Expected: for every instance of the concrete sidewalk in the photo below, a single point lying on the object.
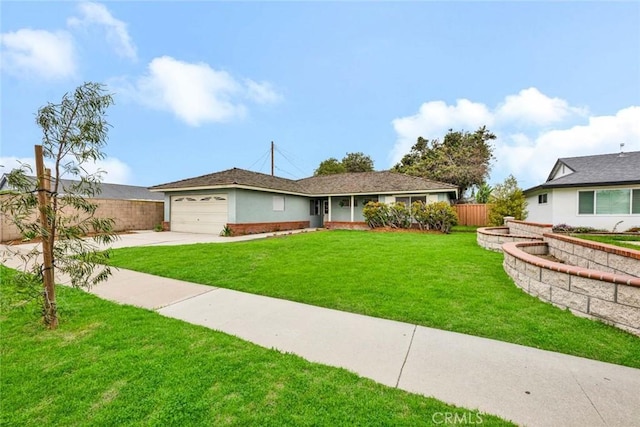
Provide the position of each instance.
(528, 386)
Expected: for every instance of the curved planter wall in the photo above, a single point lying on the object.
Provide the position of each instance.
(493, 238)
(611, 296)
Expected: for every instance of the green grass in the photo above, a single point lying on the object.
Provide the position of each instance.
(111, 365)
(443, 281)
(617, 240)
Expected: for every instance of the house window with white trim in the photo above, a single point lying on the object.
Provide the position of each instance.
(542, 199)
(623, 201)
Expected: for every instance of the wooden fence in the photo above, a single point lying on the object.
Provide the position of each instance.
(472, 214)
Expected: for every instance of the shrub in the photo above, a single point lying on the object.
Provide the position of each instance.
(434, 216)
(507, 199)
(399, 215)
(566, 228)
(376, 214)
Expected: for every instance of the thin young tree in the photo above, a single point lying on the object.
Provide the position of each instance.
(55, 207)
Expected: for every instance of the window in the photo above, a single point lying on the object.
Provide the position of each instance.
(542, 198)
(278, 203)
(344, 203)
(609, 202)
(408, 201)
(314, 207)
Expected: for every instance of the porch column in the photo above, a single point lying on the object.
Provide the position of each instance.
(329, 208)
(351, 204)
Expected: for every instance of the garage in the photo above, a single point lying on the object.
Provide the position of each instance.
(204, 213)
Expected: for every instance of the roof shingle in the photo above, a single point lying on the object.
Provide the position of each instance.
(603, 169)
(344, 183)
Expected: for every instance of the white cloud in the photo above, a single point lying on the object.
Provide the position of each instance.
(116, 30)
(531, 107)
(195, 92)
(533, 131)
(262, 93)
(434, 119)
(39, 53)
(116, 171)
(532, 162)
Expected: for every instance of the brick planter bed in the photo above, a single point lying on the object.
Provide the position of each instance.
(610, 296)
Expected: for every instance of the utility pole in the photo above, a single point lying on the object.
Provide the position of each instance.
(272, 164)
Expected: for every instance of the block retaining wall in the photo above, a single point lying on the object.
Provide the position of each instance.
(594, 255)
(266, 227)
(613, 298)
(493, 238)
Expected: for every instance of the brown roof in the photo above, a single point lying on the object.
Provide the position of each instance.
(343, 183)
(370, 182)
(234, 177)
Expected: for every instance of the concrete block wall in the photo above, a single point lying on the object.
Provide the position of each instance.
(493, 238)
(532, 229)
(594, 255)
(613, 298)
(128, 215)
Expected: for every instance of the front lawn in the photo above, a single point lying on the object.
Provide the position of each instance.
(443, 281)
(112, 365)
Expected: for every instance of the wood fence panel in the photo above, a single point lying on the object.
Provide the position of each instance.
(473, 214)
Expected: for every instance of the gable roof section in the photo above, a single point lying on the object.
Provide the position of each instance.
(108, 191)
(337, 184)
(233, 178)
(603, 169)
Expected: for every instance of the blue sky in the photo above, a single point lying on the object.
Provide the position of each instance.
(206, 86)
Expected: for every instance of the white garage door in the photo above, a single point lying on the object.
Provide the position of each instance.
(205, 213)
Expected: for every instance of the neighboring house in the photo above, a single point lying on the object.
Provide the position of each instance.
(601, 191)
(132, 207)
(251, 202)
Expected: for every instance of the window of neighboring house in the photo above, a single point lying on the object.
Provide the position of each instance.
(278, 203)
(609, 202)
(542, 198)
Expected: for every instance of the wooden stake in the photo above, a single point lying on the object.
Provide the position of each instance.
(44, 187)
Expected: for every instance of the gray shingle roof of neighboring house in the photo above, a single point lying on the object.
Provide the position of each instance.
(597, 170)
(345, 183)
(108, 191)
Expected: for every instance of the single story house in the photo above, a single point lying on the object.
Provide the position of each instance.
(252, 202)
(601, 191)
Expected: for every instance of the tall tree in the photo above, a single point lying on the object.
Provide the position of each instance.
(329, 167)
(74, 134)
(351, 162)
(461, 158)
(357, 162)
